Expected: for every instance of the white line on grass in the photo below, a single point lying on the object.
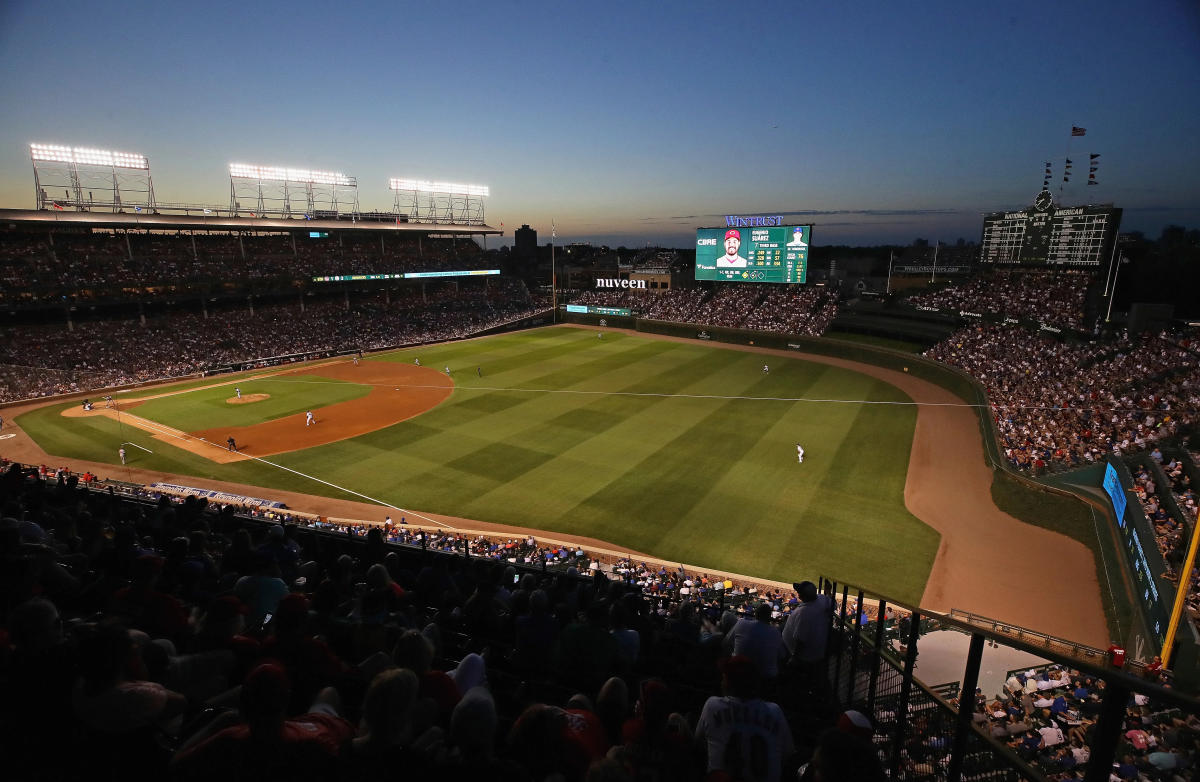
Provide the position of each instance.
(182, 436)
(135, 445)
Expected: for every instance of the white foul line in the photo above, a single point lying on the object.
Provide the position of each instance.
(406, 511)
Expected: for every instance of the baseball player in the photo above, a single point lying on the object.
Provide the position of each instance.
(479, 371)
(231, 443)
(308, 418)
(1, 422)
(800, 453)
(121, 453)
(766, 368)
(447, 371)
(417, 361)
(237, 390)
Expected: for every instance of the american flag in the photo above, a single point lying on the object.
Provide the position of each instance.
(1078, 131)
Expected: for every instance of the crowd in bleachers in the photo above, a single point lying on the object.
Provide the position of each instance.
(786, 310)
(794, 311)
(1169, 505)
(35, 268)
(1047, 715)
(1053, 297)
(174, 639)
(1059, 404)
(45, 360)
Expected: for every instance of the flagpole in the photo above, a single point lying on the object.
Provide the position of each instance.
(553, 276)
(891, 255)
(933, 271)
(1066, 162)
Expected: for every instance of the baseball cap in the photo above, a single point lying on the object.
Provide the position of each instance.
(733, 232)
(855, 723)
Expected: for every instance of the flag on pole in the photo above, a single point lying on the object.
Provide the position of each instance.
(1094, 155)
(137, 209)
(57, 205)
(207, 211)
(1078, 131)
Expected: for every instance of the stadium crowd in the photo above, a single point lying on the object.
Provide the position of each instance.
(1053, 297)
(37, 268)
(45, 360)
(174, 639)
(1047, 714)
(1059, 405)
(785, 310)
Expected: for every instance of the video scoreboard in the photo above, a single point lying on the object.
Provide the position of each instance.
(756, 253)
(1045, 233)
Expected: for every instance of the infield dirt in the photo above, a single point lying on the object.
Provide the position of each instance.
(399, 392)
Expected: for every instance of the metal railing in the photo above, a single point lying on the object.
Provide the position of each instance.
(923, 735)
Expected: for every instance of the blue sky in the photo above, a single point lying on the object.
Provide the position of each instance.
(628, 123)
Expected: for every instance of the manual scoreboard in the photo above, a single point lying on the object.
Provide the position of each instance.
(1051, 235)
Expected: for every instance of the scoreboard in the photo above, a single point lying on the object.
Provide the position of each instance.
(1048, 234)
(776, 253)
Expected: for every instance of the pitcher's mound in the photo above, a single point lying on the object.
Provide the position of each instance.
(246, 399)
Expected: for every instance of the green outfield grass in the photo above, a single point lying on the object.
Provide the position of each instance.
(207, 408)
(683, 451)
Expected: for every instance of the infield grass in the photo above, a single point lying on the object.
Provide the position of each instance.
(683, 451)
(211, 408)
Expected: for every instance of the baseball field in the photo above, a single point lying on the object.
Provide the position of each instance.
(685, 451)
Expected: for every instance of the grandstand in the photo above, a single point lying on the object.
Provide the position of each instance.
(96, 300)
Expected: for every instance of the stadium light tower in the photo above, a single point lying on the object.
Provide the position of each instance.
(325, 194)
(422, 201)
(121, 178)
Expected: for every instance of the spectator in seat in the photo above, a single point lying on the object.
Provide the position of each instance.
(261, 742)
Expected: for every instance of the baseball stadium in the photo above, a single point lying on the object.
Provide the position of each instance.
(287, 430)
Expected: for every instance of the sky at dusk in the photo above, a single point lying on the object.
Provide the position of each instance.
(631, 123)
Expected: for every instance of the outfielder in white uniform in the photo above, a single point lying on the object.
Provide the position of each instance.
(308, 418)
(800, 453)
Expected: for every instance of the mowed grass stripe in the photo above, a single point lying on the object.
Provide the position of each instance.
(860, 525)
(522, 430)
(764, 494)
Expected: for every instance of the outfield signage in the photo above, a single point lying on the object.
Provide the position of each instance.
(746, 221)
(591, 309)
(468, 273)
(610, 283)
(930, 269)
(405, 276)
(1132, 526)
(1112, 485)
(218, 496)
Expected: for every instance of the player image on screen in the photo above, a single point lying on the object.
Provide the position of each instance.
(767, 253)
(731, 259)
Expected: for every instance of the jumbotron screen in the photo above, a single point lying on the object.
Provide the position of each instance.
(753, 254)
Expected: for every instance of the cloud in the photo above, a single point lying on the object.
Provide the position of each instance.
(825, 213)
